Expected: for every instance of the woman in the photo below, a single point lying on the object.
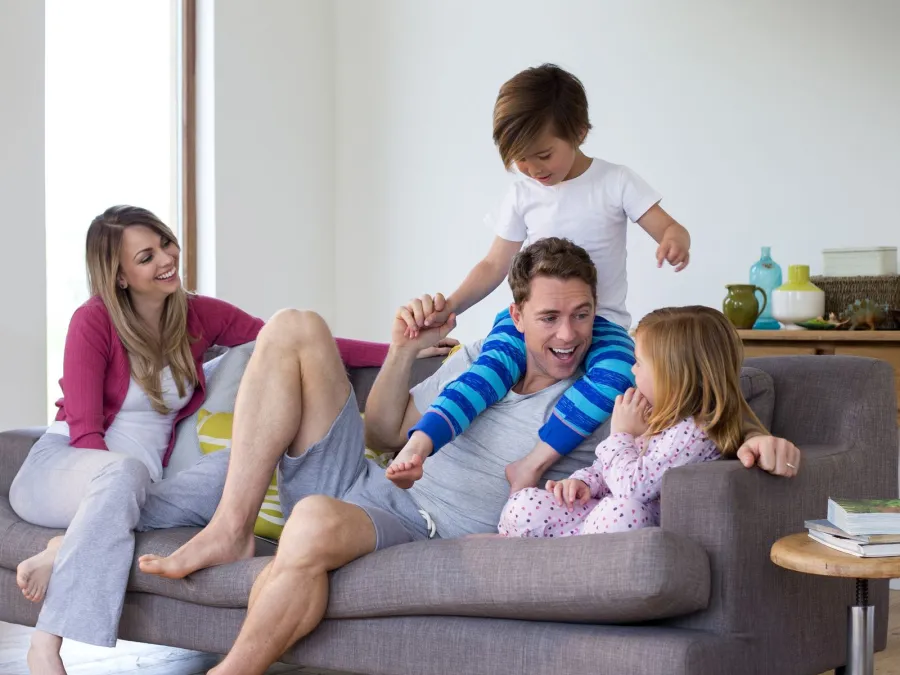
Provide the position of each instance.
(132, 370)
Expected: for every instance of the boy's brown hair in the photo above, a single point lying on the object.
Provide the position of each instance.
(530, 101)
(550, 257)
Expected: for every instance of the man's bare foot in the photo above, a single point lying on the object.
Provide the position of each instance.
(33, 575)
(404, 471)
(214, 545)
(43, 654)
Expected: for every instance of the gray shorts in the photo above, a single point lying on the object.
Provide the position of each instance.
(336, 467)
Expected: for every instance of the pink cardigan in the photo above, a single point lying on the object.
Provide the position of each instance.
(96, 370)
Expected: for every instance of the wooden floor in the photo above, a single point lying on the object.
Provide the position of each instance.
(128, 658)
(132, 658)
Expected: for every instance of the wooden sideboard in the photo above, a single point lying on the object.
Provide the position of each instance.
(884, 345)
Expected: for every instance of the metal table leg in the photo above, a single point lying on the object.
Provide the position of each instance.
(861, 633)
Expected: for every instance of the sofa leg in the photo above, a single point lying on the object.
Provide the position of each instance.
(840, 671)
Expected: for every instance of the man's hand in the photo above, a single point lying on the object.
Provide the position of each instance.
(630, 413)
(674, 249)
(569, 492)
(427, 311)
(406, 332)
(778, 456)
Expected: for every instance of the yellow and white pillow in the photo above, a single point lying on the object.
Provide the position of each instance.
(214, 432)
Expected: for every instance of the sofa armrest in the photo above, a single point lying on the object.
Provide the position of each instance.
(736, 514)
(14, 447)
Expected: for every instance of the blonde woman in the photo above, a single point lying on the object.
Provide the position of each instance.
(687, 408)
(132, 370)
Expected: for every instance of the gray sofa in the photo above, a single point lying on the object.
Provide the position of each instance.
(697, 595)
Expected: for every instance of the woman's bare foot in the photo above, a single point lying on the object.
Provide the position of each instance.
(216, 544)
(404, 471)
(33, 575)
(43, 655)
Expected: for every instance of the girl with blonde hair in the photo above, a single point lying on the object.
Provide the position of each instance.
(687, 407)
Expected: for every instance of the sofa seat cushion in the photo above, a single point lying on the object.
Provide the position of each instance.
(603, 578)
(20, 540)
(606, 578)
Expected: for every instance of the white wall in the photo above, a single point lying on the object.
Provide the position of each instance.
(764, 123)
(267, 187)
(23, 323)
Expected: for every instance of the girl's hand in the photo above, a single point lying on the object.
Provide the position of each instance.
(568, 492)
(630, 414)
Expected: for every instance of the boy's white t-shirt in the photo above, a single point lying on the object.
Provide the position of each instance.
(593, 211)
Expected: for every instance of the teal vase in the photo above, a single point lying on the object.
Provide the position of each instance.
(766, 273)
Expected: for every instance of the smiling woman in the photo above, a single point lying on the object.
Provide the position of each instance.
(117, 131)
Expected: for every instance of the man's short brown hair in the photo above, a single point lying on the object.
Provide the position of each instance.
(530, 101)
(550, 257)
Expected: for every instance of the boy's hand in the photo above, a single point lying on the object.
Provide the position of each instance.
(569, 492)
(427, 312)
(630, 414)
(674, 249)
(674, 240)
(406, 334)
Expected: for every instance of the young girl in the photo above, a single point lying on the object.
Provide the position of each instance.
(687, 408)
(132, 370)
(540, 122)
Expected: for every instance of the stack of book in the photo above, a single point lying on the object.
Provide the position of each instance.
(868, 528)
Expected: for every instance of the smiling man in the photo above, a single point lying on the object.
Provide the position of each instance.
(298, 413)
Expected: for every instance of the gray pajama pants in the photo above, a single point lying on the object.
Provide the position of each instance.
(101, 498)
(98, 498)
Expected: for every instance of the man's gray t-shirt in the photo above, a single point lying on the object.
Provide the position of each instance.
(464, 486)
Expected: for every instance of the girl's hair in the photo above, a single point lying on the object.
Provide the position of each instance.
(696, 356)
(147, 353)
(531, 100)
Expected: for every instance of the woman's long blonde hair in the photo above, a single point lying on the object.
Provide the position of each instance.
(696, 356)
(147, 353)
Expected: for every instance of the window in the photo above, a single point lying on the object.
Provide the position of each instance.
(119, 88)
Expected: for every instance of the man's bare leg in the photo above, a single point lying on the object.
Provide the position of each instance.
(293, 389)
(321, 535)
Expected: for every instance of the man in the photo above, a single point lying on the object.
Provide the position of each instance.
(295, 395)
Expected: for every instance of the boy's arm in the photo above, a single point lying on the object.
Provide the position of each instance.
(480, 282)
(673, 239)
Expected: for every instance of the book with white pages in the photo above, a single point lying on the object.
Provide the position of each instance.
(855, 548)
(823, 525)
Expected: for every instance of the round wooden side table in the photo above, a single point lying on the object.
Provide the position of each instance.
(801, 553)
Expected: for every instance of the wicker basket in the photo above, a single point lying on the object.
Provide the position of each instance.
(843, 291)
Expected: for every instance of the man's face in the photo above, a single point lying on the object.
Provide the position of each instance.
(557, 320)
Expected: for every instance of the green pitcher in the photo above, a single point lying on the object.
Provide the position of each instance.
(741, 306)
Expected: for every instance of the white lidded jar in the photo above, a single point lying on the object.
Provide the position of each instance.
(798, 300)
